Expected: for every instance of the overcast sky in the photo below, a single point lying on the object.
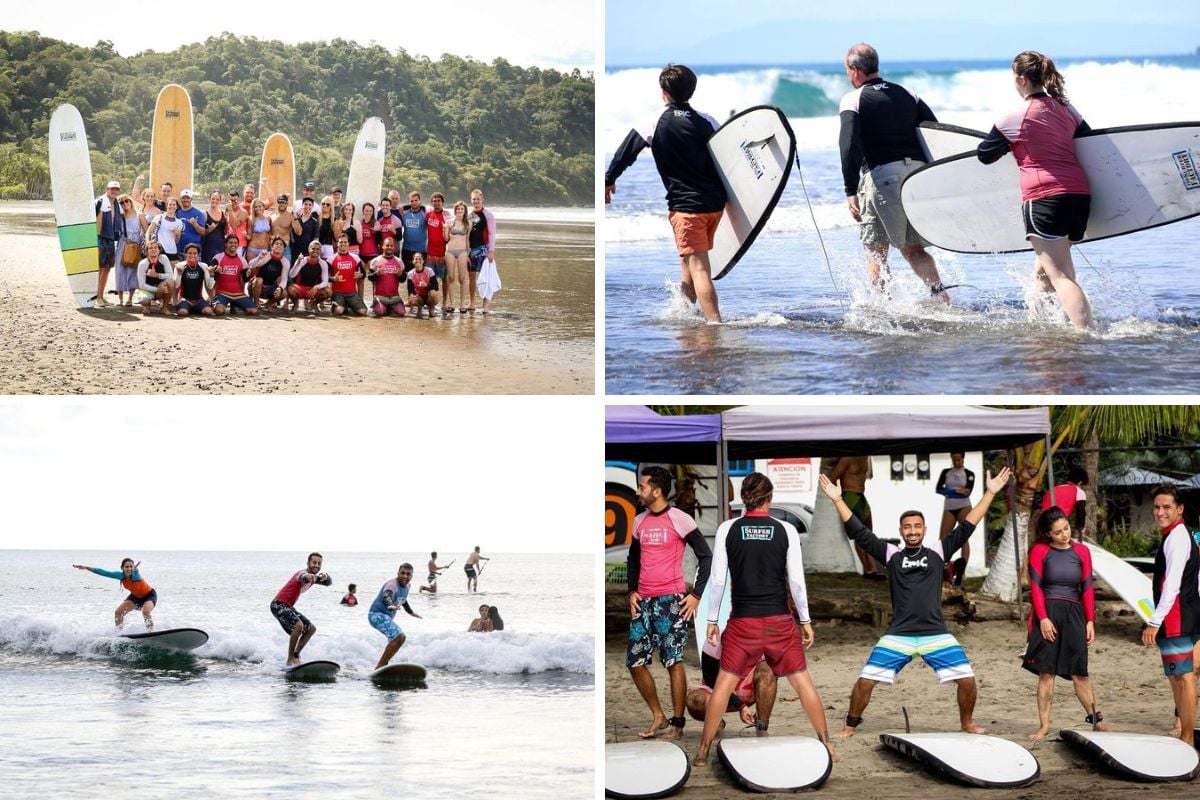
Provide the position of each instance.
(301, 473)
(541, 33)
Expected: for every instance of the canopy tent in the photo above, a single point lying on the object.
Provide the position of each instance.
(1133, 476)
(763, 431)
(637, 434)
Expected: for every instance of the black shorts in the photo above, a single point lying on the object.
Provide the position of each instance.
(469, 569)
(138, 602)
(1063, 216)
(288, 617)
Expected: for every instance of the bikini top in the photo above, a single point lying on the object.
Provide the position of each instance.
(262, 225)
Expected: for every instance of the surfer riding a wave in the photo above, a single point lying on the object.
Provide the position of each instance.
(141, 595)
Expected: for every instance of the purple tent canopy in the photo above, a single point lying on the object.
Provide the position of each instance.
(637, 434)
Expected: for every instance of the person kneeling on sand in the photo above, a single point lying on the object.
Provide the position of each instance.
(386, 273)
(230, 272)
(918, 628)
(194, 282)
(422, 287)
(154, 279)
(309, 280)
(755, 689)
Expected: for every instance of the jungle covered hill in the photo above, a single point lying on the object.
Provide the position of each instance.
(523, 135)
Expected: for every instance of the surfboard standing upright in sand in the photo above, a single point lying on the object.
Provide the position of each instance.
(74, 201)
(365, 184)
(278, 172)
(172, 146)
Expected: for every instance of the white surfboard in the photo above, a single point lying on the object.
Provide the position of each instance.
(399, 674)
(644, 769)
(172, 639)
(702, 615)
(313, 671)
(754, 151)
(1133, 585)
(1139, 756)
(776, 763)
(974, 759)
(365, 184)
(940, 140)
(1140, 177)
(74, 201)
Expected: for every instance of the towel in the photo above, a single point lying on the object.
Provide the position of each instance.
(488, 282)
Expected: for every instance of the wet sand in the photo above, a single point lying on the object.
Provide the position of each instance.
(1131, 691)
(50, 347)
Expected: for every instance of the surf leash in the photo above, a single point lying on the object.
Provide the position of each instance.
(837, 289)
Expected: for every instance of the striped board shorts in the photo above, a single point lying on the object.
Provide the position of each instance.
(941, 651)
(1176, 652)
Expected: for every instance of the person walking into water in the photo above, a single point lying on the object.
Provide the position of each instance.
(472, 571)
(141, 595)
(297, 626)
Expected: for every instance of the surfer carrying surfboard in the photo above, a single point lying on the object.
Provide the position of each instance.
(879, 133)
(297, 626)
(915, 580)
(1055, 198)
(141, 595)
(696, 197)
(760, 558)
(1175, 623)
(393, 595)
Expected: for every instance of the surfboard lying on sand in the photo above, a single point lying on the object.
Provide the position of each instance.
(644, 769)
(753, 150)
(313, 671)
(1138, 756)
(399, 674)
(74, 201)
(172, 639)
(1126, 580)
(172, 142)
(777, 763)
(277, 174)
(1140, 177)
(973, 759)
(365, 183)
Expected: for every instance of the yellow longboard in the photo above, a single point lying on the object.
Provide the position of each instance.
(172, 146)
(278, 173)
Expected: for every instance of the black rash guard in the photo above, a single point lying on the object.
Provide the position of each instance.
(191, 283)
(760, 555)
(914, 576)
(679, 141)
(879, 121)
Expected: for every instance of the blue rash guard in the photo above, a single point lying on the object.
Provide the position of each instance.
(416, 235)
(116, 574)
(390, 594)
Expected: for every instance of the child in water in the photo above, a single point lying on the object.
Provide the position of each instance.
(349, 599)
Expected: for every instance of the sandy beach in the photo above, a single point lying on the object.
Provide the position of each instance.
(1130, 688)
(524, 347)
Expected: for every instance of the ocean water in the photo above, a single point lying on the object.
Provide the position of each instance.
(800, 315)
(503, 714)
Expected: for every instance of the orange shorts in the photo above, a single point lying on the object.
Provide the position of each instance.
(694, 232)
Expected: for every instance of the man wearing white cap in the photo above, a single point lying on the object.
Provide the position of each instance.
(193, 219)
(108, 230)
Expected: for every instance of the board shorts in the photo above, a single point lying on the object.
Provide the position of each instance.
(108, 252)
(438, 265)
(476, 257)
(469, 569)
(269, 292)
(288, 617)
(143, 296)
(694, 233)
(349, 300)
(858, 505)
(941, 651)
(389, 305)
(432, 578)
(138, 602)
(244, 303)
(384, 624)
(1067, 655)
(1176, 652)
(1062, 216)
(748, 640)
(192, 306)
(883, 219)
(658, 625)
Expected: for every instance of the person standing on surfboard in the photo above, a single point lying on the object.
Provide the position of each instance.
(659, 604)
(297, 626)
(696, 197)
(141, 595)
(470, 568)
(393, 595)
(915, 580)
(760, 558)
(1175, 623)
(1055, 198)
(434, 572)
(879, 148)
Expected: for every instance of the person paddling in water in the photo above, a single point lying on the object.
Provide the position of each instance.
(141, 596)
(434, 571)
(297, 626)
(472, 571)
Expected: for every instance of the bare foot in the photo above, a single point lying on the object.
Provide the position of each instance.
(845, 733)
(656, 725)
(1039, 734)
(720, 729)
(675, 733)
(971, 727)
(1102, 726)
(701, 759)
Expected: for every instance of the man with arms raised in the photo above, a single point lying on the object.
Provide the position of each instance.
(297, 626)
(392, 596)
(879, 121)
(658, 601)
(695, 195)
(760, 557)
(915, 580)
(1175, 623)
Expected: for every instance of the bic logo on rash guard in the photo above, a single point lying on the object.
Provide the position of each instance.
(753, 533)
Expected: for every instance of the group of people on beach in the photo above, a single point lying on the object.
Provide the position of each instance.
(262, 253)
(758, 559)
(879, 148)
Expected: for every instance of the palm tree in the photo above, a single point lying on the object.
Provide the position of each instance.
(1088, 426)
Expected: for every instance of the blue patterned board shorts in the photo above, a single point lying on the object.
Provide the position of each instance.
(384, 624)
(658, 625)
(476, 257)
(940, 651)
